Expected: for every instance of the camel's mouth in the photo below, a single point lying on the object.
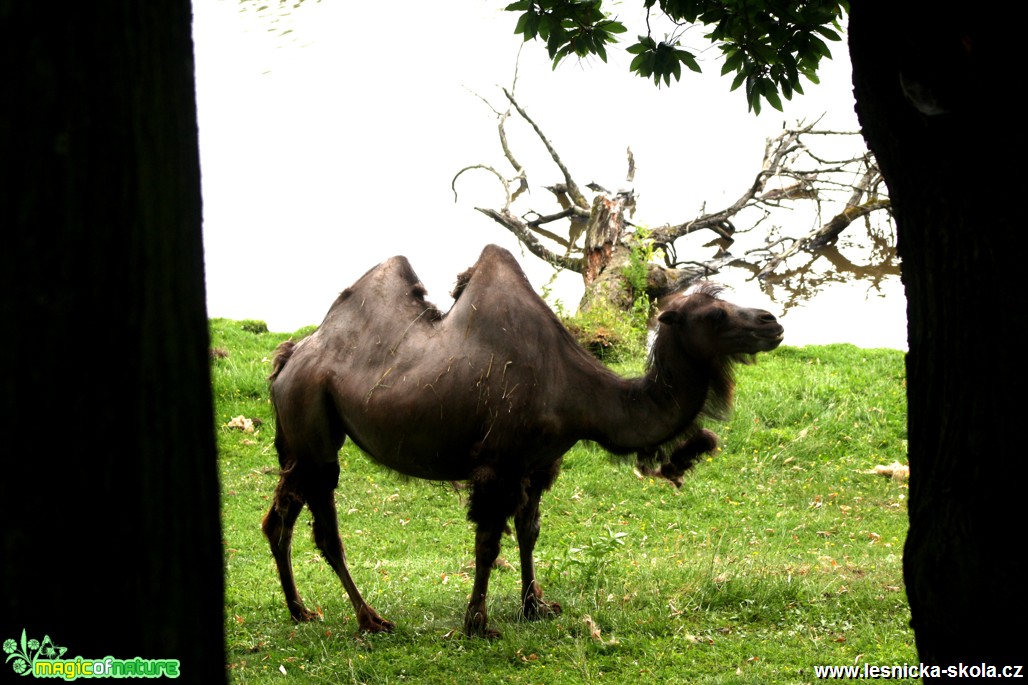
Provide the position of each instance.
(770, 339)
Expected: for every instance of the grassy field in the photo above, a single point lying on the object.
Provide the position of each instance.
(780, 553)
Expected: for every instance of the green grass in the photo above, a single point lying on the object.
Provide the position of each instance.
(779, 553)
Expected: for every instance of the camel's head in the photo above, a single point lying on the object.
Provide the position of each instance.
(708, 327)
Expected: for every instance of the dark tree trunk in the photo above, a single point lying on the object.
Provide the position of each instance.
(111, 539)
(937, 98)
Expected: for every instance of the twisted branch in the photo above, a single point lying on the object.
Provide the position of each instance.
(518, 227)
(572, 187)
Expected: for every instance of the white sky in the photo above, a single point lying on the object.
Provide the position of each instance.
(331, 148)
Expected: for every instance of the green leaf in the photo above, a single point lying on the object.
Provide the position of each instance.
(765, 85)
(519, 6)
(827, 32)
(739, 78)
(542, 26)
(525, 25)
(733, 61)
(555, 43)
(772, 97)
(645, 43)
(820, 46)
(686, 58)
(811, 76)
(786, 90)
(643, 64)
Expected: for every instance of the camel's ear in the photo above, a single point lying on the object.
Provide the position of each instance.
(669, 317)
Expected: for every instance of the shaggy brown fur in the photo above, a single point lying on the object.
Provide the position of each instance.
(494, 393)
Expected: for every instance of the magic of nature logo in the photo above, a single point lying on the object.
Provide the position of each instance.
(45, 659)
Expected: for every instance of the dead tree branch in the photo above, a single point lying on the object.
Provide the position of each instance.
(777, 153)
(592, 246)
(504, 182)
(572, 187)
(863, 201)
(520, 229)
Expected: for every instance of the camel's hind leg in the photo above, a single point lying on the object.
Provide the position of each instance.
(278, 529)
(526, 524)
(494, 498)
(487, 548)
(321, 501)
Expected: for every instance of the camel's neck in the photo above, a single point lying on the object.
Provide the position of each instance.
(639, 414)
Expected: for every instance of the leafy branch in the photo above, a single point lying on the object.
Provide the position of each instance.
(568, 27)
(768, 44)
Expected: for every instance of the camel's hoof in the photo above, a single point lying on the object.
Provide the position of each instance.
(379, 626)
(370, 622)
(304, 615)
(476, 625)
(539, 609)
(482, 631)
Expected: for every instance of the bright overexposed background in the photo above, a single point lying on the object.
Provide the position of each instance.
(330, 133)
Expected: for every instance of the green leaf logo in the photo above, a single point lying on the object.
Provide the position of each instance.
(23, 655)
(22, 658)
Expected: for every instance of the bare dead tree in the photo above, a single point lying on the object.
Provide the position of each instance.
(593, 236)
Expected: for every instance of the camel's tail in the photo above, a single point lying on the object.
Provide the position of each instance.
(282, 354)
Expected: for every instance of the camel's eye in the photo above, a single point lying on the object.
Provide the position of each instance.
(716, 315)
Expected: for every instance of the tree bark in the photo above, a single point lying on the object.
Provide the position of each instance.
(111, 542)
(936, 99)
(603, 232)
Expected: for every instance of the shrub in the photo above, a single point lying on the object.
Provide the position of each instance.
(253, 326)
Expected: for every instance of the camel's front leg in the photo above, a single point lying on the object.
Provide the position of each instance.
(684, 457)
(326, 536)
(526, 523)
(487, 548)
